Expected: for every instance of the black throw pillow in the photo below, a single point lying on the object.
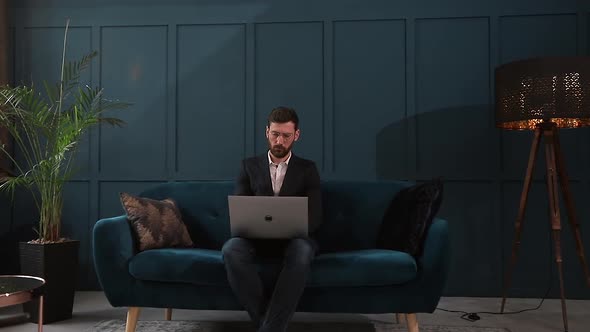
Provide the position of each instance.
(409, 216)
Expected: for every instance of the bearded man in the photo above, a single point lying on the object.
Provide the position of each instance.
(278, 172)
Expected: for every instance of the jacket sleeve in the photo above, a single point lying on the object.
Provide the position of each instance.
(243, 187)
(314, 194)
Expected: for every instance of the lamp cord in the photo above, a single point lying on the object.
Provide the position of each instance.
(474, 316)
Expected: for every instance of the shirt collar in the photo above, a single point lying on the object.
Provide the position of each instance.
(286, 160)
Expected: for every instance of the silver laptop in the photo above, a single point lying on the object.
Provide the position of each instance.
(268, 217)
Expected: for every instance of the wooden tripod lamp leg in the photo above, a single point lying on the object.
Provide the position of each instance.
(569, 203)
(554, 214)
(521, 211)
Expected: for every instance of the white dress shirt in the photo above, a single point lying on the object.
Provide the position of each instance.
(277, 173)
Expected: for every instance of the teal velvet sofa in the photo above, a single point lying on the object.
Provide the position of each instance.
(349, 275)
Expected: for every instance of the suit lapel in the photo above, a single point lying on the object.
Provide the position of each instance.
(290, 180)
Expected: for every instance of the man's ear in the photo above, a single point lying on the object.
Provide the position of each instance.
(267, 130)
(297, 132)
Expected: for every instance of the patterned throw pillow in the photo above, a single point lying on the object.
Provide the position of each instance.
(409, 216)
(156, 224)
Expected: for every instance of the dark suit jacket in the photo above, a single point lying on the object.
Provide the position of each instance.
(301, 179)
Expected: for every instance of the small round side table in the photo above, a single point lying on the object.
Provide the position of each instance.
(17, 289)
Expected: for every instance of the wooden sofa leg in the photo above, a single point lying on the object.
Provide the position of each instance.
(168, 313)
(400, 318)
(132, 316)
(412, 323)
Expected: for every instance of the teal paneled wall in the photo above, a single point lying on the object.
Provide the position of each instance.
(289, 71)
(210, 106)
(387, 90)
(139, 75)
(452, 96)
(368, 91)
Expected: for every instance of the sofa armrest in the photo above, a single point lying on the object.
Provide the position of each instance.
(113, 247)
(434, 262)
(435, 256)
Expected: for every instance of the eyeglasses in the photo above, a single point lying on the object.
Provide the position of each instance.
(286, 136)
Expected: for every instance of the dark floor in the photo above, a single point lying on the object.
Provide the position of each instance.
(92, 307)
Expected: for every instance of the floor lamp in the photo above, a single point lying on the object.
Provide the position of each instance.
(545, 95)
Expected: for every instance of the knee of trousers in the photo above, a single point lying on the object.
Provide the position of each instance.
(237, 248)
(300, 252)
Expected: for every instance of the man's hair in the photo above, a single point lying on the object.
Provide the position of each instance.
(283, 114)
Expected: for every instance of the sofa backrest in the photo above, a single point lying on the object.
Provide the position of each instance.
(203, 205)
(352, 211)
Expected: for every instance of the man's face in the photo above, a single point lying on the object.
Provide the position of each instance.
(281, 137)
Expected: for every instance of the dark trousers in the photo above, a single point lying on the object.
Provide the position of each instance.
(268, 313)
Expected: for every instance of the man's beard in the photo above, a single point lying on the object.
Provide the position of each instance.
(279, 151)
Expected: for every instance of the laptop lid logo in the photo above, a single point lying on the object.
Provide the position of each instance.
(268, 218)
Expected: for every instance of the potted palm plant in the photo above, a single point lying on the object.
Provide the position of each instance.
(45, 128)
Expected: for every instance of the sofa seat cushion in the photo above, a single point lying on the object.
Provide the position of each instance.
(195, 266)
(372, 267)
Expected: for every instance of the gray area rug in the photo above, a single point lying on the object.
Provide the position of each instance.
(194, 326)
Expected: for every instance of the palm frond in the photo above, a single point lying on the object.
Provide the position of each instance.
(113, 122)
(10, 184)
(94, 104)
(52, 92)
(73, 70)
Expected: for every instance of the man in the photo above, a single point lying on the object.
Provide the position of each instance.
(277, 172)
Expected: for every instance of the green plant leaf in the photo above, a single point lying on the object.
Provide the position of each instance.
(46, 129)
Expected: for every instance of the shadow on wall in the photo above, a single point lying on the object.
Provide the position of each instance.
(14, 230)
(462, 145)
(460, 142)
(9, 247)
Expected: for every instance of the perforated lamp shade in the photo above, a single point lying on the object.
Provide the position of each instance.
(552, 89)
